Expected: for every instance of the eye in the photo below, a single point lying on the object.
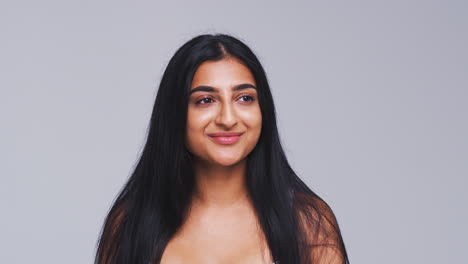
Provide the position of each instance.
(246, 98)
(205, 100)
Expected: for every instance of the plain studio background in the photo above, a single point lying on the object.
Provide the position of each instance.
(371, 98)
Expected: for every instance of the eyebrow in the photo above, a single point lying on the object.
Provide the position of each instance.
(204, 88)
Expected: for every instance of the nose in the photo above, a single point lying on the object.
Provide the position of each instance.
(226, 116)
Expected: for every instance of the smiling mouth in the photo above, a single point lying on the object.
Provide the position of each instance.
(226, 138)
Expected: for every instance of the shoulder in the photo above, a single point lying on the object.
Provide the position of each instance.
(319, 234)
(109, 240)
(316, 219)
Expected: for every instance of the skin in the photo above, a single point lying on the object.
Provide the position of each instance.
(221, 226)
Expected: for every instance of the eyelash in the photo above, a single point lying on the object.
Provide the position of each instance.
(248, 96)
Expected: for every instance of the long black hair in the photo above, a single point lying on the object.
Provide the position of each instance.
(298, 225)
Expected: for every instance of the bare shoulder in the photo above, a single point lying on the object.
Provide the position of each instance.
(320, 234)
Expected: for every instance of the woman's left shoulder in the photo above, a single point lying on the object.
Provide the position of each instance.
(320, 233)
(311, 205)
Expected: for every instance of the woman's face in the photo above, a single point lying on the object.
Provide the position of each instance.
(224, 120)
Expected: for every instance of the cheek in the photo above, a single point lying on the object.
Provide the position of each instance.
(196, 124)
(253, 120)
(197, 119)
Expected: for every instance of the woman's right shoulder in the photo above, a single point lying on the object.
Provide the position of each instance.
(108, 240)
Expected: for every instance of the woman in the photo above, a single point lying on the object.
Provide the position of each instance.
(213, 184)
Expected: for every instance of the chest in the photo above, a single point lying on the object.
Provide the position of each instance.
(209, 238)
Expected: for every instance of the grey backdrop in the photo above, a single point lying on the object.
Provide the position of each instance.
(371, 99)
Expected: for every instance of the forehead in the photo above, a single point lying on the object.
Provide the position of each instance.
(222, 73)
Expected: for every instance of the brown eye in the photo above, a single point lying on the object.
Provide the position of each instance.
(246, 98)
(205, 100)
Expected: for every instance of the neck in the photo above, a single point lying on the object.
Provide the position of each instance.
(217, 185)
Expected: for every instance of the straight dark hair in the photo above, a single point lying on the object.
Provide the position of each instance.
(153, 204)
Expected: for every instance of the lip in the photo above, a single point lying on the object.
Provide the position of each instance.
(226, 138)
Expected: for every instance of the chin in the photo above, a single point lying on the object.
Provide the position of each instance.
(226, 160)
